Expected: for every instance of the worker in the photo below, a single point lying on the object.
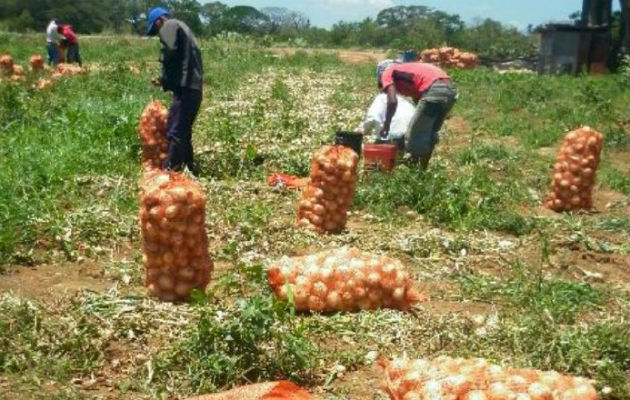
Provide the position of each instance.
(52, 42)
(70, 44)
(432, 91)
(182, 73)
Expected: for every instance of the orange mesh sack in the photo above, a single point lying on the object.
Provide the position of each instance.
(6, 63)
(37, 62)
(152, 130)
(477, 379)
(282, 390)
(174, 240)
(325, 202)
(574, 171)
(343, 280)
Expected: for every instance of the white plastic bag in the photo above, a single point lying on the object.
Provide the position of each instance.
(375, 117)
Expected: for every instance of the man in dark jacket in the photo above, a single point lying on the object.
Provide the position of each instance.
(182, 73)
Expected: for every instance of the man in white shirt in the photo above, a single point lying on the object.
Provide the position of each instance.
(52, 42)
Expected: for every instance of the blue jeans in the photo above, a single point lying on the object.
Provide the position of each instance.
(181, 116)
(53, 53)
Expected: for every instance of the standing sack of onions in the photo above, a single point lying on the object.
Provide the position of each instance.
(152, 130)
(446, 378)
(574, 171)
(325, 202)
(343, 280)
(174, 240)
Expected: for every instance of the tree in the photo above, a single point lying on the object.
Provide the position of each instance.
(282, 19)
(188, 11)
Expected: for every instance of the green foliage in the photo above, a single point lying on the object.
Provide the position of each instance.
(258, 338)
(471, 201)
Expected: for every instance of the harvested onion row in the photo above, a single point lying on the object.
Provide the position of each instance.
(325, 202)
(574, 171)
(174, 240)
(343, 280)
(152, 130)
(446, 378)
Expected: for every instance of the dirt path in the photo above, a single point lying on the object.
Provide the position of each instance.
(350, 56)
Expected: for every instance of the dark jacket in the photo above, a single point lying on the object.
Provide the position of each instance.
(182, 66)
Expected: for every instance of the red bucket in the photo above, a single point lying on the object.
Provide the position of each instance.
(383, 154)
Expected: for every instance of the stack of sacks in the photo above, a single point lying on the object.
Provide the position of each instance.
(152, 131)
(282, 390)
(326, 200)
(574, 171)
(343, 280)
(477, 379)
(174, 240)
(450, 57)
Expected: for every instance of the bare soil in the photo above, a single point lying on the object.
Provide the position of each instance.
(349, 56)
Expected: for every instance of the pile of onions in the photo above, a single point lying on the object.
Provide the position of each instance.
(574, 171)
(343, 280)
(37, 62)
(174, 240)
(42, 83)
(450, 57)
(152, 131)
(325, 201)
(476, 379)
(282, 390)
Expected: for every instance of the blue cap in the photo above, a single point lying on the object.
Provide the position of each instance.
(155, 14)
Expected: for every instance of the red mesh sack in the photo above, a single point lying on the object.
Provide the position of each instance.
(574, 171)
(326, 200)
(37, 62)
(282, 390)
(174, 240)
(152, 130)
(343, 280)
(477, 379)
(6, 63)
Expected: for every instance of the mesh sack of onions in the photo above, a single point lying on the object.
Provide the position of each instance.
(282, 390)
(574, 171)
(477, 379)
(37, 62)
(152, 131)
(325, 202)
(6, 63)
(174, 240)
(343, 280)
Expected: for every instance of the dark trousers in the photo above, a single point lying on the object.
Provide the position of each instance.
(72, 54)
(181, 117)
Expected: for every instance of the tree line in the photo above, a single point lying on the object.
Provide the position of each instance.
(397, 27)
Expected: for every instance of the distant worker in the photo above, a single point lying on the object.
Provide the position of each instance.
(70, 44)
(52, 42)
(432, 91)
(182, 73)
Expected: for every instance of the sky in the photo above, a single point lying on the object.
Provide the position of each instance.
(519, 13)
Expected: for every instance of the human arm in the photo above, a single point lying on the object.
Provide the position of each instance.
(392, 104)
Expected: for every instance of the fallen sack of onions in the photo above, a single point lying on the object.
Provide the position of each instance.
(477, 379)
(174, 240)
(325, 201)
(64, 69)
(152, 131)
(574, 171)
(37, 62)
(282, 390)
(343, 280)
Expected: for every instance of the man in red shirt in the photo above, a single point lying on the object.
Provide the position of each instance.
(434, 94)
(71, 44)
